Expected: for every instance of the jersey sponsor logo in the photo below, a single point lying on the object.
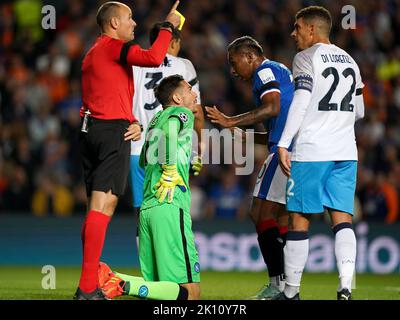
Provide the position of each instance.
(266, 75)
(303, 81)
(143, 291)
(197, 267)
(183, 116)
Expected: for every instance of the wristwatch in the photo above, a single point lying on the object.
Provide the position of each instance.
(167, 24)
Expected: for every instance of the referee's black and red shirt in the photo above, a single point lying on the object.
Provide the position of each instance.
(107, 77)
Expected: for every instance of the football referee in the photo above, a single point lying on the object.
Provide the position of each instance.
(108, 125)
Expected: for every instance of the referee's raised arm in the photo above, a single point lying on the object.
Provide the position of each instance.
(108, 123)
(133, 54)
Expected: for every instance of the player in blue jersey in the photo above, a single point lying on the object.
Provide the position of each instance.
(273, 91)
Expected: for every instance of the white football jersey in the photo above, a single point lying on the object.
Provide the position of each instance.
(326, 132)
(145, 104)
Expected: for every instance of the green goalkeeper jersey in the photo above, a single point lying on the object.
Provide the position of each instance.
(168, 141)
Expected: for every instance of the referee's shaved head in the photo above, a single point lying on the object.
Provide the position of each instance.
(107, 11)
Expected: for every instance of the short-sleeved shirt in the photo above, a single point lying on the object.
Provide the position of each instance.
(272, 76)
(145, 104)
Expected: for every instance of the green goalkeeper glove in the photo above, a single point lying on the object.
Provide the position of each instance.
(196, 165)
(169, 179)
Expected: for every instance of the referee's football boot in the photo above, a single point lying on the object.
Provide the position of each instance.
(267, 292)
(344, 294)
(282, 296)
(97, 294)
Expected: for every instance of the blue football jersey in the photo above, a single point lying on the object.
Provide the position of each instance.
(272, 76)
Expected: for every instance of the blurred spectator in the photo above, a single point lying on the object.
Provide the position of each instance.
(379, 199)
(197, 200)
(28, 17)
(42, 125)
(17, 195)
(227, 199)
(51, 197)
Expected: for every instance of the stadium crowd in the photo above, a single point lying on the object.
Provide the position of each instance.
(40, 97)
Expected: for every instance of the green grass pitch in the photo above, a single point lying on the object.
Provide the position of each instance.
(26, 283)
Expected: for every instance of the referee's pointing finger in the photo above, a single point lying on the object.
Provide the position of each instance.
(174, 7)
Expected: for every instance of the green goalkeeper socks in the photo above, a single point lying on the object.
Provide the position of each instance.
(157, 290)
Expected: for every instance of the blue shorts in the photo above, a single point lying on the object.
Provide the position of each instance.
(314, 186)
(137, 178)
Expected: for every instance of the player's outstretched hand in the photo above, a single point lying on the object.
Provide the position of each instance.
(172, 17)
(284, 160)
(218, 117)
(169, 179)
(134, 132)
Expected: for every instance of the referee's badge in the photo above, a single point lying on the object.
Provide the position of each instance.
(183, 116)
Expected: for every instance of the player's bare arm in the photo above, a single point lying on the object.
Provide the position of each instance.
(270, 108)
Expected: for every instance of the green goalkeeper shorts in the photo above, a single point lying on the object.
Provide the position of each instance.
(167, 250)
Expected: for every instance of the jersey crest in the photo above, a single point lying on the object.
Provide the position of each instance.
(183, 116)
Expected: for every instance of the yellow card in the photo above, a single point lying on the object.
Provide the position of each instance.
(182, 19)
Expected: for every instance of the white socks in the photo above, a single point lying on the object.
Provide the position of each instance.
(296, 254)
(345, 252)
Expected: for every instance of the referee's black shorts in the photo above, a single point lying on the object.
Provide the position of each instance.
(105, 156)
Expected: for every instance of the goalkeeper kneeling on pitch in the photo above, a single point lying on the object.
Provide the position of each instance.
(168, 257)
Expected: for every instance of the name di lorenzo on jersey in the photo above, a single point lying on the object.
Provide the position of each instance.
(335, 58)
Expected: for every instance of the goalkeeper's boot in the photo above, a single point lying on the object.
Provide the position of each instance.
(97, 294)
(282, 296)
(267, 292)
(114, 287)
(105, 273)
(344, 294)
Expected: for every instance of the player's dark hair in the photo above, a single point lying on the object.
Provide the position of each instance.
(155, 30)
(316, 12)
(166, 88)
(107, 11)
(245, 43)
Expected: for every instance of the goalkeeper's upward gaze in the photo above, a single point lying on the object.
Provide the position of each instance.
(167, 250)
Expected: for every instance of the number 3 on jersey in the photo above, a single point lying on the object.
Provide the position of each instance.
(155, 77)
(345, 105)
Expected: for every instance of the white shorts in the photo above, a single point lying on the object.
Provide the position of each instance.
(271, 182)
